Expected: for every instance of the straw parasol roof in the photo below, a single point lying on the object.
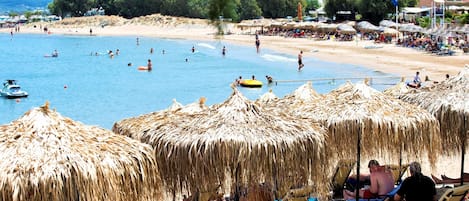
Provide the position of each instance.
(346, 29)
(449, 103)
(135, 126)
(365, 26)
(240, 142)
(46, 156)
(387, 126)
(398, 89)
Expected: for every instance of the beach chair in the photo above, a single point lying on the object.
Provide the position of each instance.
(398, 172)
(342, 171)
(388, 197)
(455, 194)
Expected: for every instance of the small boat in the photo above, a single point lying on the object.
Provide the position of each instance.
(250, 83)
(12, 90)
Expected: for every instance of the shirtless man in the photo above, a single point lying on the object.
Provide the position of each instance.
(381, 179)
(300, 60)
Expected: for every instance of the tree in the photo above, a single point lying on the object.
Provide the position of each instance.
(249, 9)
(375, 10)
(197, 8)
(333, 6)
(312, 5)
(222, 9)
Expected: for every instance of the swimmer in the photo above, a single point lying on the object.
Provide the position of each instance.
(149, 65)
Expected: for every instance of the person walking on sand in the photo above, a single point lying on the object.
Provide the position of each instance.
(300, 60)
(91, 32)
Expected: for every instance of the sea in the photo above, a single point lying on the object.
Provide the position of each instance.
(86, 85)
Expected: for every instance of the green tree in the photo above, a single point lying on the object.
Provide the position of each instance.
(222, 9)
(197, 8)
(410, 3)
(312, 5)
(463, 19)
(375, 10)
(249, 9)
(333, 6)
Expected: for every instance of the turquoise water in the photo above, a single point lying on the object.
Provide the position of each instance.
(98, 90)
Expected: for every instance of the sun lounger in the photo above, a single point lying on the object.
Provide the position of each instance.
(455, 194)
(342, 171)
(388, 197)
(447, 180)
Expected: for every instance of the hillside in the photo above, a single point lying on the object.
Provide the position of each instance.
(22, 5)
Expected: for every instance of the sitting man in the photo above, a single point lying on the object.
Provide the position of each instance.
(381, 183)
(417, 186)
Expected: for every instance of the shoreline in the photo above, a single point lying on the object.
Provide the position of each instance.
(389, 58)
(386, 58)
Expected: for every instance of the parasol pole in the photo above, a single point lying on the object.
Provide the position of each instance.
(463, 149)
(357, 185)
(397, 17)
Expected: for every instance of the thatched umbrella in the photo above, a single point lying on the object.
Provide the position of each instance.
(449, 103)
(378, 123)
(398, 89)
(240, 142)
(46, 156)
(135, 126)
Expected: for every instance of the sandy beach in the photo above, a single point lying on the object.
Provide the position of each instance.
(387, 59)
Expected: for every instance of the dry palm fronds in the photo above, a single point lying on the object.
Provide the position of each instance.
(398, 89)
(238, 141)
(49, 157)
(448, 101)
(388, 126)
(267, 98)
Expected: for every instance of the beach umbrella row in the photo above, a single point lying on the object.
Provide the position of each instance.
(237, 141)
(46, 156)
(360, 118)
(285, 142)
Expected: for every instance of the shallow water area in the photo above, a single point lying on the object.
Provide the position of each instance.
(98, 90)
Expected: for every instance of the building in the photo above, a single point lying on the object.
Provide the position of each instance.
(428, 3)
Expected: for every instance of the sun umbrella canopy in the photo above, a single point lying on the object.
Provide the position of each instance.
(386, 124)
(365, 26)
(448, 101)
(238, 141)
(387, 23)
(46, 156)
(345, 28)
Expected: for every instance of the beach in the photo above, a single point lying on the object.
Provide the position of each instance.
(388, 58)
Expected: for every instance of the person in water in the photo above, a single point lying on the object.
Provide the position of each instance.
(193, 49)
(300, 60)
(223, 51)
(149, 65)
(55, 53)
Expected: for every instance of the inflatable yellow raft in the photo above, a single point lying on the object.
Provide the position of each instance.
(250, 83)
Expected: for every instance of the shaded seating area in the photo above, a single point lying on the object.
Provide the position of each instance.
(455, 194)
(340, 176)
(447, 180)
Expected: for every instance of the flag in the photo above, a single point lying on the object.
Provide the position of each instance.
(394, 2)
